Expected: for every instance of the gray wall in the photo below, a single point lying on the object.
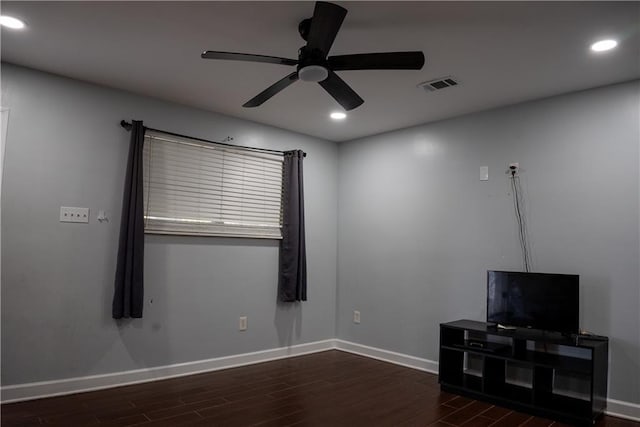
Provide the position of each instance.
(66, 148)
(417, 229)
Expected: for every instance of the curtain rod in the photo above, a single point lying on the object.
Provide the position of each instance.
(127, 126)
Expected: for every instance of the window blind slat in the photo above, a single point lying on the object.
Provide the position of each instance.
(183, 167)
(201, 164)
(213, 199)
(186, 211)
(202, 182)
(213, 192)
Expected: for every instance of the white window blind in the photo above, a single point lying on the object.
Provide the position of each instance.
(199, 188)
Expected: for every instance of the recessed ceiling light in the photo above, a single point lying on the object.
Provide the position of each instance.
(11, 22)
(337, 115)
(603, 45)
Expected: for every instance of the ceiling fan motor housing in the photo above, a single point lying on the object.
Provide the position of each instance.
(303, 28)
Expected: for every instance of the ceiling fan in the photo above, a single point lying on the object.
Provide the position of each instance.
(313, 64)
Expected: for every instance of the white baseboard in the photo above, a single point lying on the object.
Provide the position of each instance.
(621, 409)
(37, 390)
(388, 356)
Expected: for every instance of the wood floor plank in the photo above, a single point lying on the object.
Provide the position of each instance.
(458, 402)
(173, 411)
(496, 412)
(479, 421)
(125, 421)
(428, 415)
(180, 420)
(466, 413)
(331, 388)
(537, 422)
(512, 419)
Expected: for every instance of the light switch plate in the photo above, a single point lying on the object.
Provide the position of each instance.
(242, 323)
(484, 173)
(70, 214)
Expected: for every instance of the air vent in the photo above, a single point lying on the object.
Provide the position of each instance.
(437, 84)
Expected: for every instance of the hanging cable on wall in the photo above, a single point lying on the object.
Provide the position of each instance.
(520, 217)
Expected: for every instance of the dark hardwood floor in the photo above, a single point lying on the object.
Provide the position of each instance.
(331, 388)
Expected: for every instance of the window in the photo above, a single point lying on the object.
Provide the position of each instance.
(200, 188)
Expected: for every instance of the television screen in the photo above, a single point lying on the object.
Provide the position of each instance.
(543, 301)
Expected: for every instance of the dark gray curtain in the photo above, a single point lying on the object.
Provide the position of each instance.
(292, 281)
(128, 295)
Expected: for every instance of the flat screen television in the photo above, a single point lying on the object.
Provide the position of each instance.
(549, 302)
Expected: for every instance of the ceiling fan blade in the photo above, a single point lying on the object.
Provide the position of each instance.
(325, 23)
(232, 56)
(377, 61)
(266, 94)
(341, 91)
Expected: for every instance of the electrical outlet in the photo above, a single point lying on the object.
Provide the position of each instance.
(242, 324)
(356, 316)
(68, 214)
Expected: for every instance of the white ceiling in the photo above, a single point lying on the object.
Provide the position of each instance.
(502, 53)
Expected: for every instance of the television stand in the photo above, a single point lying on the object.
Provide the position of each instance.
(541, 373)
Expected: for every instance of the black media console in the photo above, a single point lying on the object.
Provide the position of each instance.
(545, 374)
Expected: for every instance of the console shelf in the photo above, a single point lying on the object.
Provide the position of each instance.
(545, 374)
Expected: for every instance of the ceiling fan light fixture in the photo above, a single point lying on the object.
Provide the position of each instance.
(338, 115)
(313, 73)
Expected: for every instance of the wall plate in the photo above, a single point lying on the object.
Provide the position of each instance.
(70, 214)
